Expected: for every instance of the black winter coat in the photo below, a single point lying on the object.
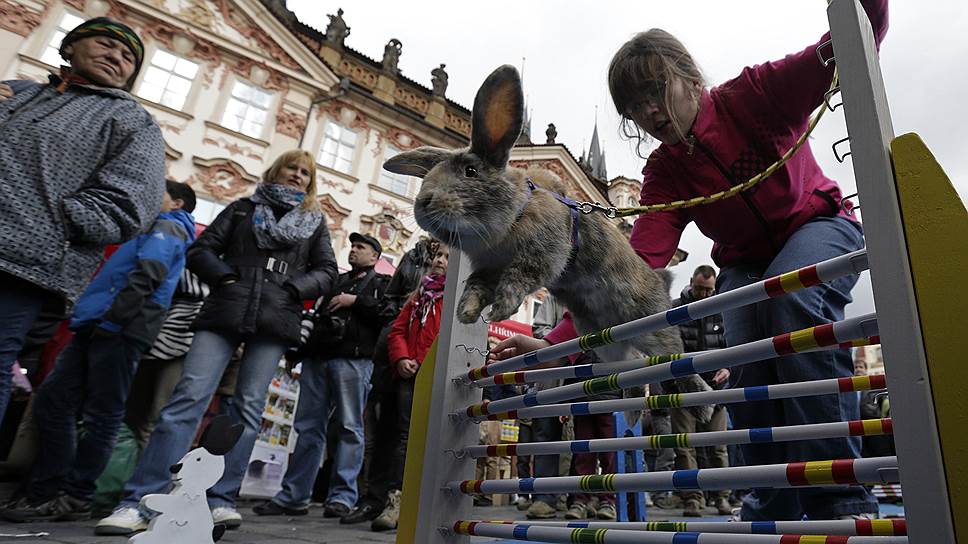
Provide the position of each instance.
(262, 301)
(363, 321)
(699, 335)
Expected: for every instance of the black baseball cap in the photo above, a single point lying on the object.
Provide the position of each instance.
(368, 240)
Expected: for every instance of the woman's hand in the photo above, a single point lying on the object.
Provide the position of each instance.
(407, 368)
(515, 345)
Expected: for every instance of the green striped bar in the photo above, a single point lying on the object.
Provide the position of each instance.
(603, 384)
(667, 526)
(680, 440)
(595, 339)
(597, 482)
(659, 359)
(588, 536)
(664, 401)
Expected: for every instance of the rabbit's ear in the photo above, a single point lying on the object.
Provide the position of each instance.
(498, 116)
(220, 435)
(417, 162)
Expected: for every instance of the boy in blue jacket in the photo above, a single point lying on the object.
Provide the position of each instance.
(114, 323)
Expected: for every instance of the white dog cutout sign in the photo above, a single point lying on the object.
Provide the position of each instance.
(183, 514)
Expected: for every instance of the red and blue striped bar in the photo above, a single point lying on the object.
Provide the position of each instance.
(860, 527)
(831, 386)
(845, 265)
(535, 532)
(823, 337)
(764, 435)
(870, 470)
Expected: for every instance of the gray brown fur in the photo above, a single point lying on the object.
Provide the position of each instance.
(518, 241)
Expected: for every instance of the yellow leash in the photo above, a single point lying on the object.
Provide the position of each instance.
(613, 212)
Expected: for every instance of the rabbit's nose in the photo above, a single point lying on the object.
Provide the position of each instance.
(175, 468)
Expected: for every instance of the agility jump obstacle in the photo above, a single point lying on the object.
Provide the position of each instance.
(915, 247)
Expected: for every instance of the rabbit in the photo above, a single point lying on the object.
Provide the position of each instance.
(519, 239)
(184, 516)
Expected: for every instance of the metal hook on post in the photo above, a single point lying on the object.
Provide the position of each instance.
(825, 61)
(843, 204)
(828, 94)
(840, 158)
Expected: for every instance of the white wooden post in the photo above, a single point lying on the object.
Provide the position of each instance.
(439, 509)
(926, 502)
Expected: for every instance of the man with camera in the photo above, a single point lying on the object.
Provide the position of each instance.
(336, 375)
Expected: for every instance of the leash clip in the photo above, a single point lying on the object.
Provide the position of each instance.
(589, 207)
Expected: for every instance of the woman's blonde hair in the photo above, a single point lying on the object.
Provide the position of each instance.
(650, 57)
(311, 202)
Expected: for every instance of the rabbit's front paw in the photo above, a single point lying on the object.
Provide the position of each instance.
(470, 306)
(502, 309)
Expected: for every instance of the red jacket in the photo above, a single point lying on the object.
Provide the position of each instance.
(411, 339)
(743, 126)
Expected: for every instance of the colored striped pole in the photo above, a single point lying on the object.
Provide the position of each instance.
(853, 527)
(765, 435)
(829, 386)
(831, 269)
(871, 470)
(540, 533)
(604, 369)
(830, 335)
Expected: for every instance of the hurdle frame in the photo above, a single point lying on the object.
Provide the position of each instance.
(927, 505)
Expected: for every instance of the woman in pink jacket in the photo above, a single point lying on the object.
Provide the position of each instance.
(715, 138)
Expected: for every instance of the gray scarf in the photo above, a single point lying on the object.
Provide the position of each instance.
(296, 225)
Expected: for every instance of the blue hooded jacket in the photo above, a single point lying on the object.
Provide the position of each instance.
(132, 291)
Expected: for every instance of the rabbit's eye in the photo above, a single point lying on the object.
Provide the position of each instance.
(470, 172)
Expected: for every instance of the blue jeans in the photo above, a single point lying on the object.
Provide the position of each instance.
(546, 429)
(20, 304)
(334, 384)
(179, 419)
(820, 239)
(93, 375)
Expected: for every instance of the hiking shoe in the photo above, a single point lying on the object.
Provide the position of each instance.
(579, 511)
(483, 500)
(335, 510)
(61, 508)
(606, 512)
(123, 521)
(272, 508)
(723, 507)
(864, 516)
(561, 504)
(367, 511)
(522, 504)
(227, 516)
(692, 509)
(387, 520)
(541, 510)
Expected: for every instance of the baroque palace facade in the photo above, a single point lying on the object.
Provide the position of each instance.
(234, 83)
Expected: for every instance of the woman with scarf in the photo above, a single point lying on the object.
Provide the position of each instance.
(411, 336)
(262, 256)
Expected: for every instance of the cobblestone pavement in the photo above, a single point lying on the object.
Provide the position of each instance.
(268, 530)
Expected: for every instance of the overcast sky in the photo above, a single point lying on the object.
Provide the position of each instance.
(568, 45)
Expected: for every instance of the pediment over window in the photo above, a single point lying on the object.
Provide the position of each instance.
(224, 179)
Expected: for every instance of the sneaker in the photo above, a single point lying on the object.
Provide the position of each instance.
(578, 511)
(561, 505)
(723, 507)
(522, 504)
(335, 510)
(865, 515)
(737, 514)
(648, 500)
(541, 510)
(692, 509)
(272, 508)
(123, 521)
(227, 516)
(668, 502)
(61, 508)
(387, 520)
(606, 512)
(483, 500)
(368, 510)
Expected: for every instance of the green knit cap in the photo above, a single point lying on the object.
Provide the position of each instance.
(103, 26)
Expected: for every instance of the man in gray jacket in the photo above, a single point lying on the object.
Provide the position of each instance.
(82, 166)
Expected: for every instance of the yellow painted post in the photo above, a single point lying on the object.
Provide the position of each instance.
(936, 231)
(416, 448)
